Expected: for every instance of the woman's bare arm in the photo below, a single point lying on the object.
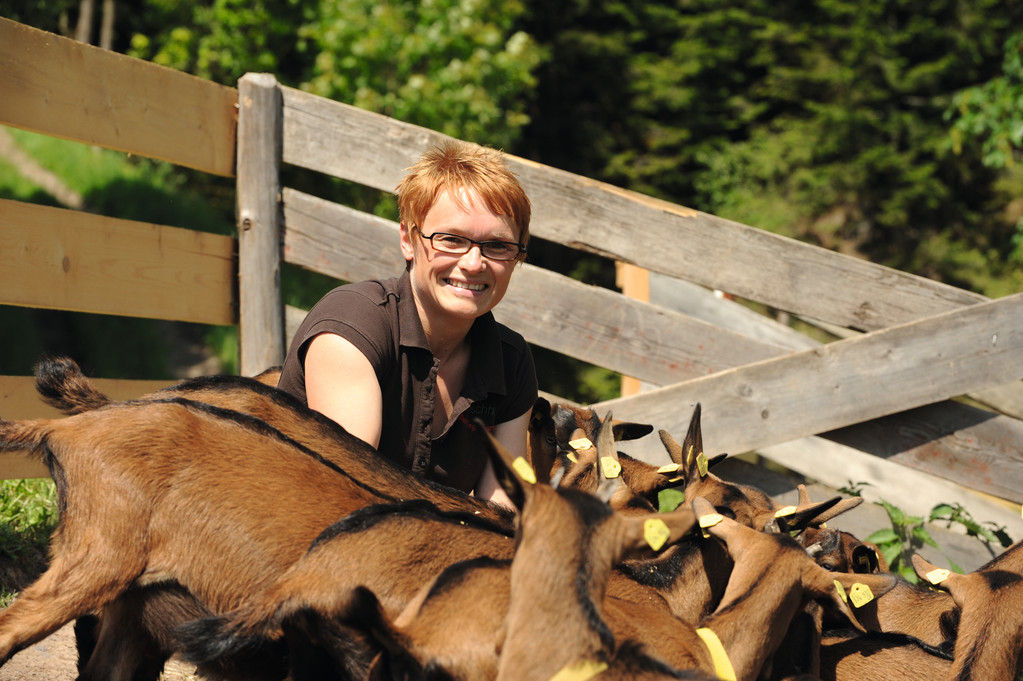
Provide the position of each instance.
(340, 383)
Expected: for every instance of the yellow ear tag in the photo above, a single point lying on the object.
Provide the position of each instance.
(675, 479)
(610, 467)
(656, 532)
(580, 444)
(783, 512)
(580, 671)
(572, 457)
(702, 465)
(669, 468)
(841, 591)
(860, 595)
(524, 470)
(937, 576)
(709, 520)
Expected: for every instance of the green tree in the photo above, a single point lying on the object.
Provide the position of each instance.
(456, 66)
(991, 115)
(821, 120)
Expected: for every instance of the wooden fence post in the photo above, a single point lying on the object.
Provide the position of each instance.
(260, 223)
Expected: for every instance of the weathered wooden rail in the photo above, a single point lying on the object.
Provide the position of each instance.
(886, 390)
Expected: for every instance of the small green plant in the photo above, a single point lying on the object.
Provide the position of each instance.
(900, 541)
(28, 515)
(909, 532)
(669, 499)
(955, 513)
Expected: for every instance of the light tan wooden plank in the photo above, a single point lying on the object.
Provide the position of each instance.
(19, 400)
(19, 466)
(593, 324)
(1006, 398)
(954, 441)
(364, 147)
(336, 138)
(69, 260)
(64, 88)
(339, 241)
(946, 439)
(260, 222)
(845, 382)
(725, 255)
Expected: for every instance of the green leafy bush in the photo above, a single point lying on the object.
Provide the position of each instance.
(909, 532)
(28, 515)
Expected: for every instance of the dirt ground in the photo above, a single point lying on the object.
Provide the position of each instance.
(55, 659)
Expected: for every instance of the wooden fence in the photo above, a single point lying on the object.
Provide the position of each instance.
(883, 391)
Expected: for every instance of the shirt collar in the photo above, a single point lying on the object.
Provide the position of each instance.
(410, 327)
(486, 369)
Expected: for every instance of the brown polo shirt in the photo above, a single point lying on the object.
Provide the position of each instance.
(379, 317)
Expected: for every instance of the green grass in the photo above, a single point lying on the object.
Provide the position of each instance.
(28, 515)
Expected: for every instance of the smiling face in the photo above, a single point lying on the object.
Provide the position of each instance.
(453, 290)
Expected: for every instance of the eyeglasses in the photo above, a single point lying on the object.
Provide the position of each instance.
(457, 245)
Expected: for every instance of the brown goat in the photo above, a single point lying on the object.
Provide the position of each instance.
(550, 598)
(406, 546)
(755, 612)
(430, 635)
(746, 504)
(989, 643)
(852, 656)
(154, 491)
(61, 383)
(391, 549)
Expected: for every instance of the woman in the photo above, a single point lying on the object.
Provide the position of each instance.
(407, 364)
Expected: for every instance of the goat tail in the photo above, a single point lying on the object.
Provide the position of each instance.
(61, 384)
(26, 435)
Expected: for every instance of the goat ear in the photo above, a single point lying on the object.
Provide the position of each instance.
(803, 516)
(715, 460)
(826, 515)
(656, 531)
(932, 574)
(804, 496)
(625, 430)
(513, 473)
(865, 559)
(609, 469)
(688, 454)
(541, 408)
(850, 592)
(838, 509)
(540, 415)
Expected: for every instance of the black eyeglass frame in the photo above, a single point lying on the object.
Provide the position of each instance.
(470, 243)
